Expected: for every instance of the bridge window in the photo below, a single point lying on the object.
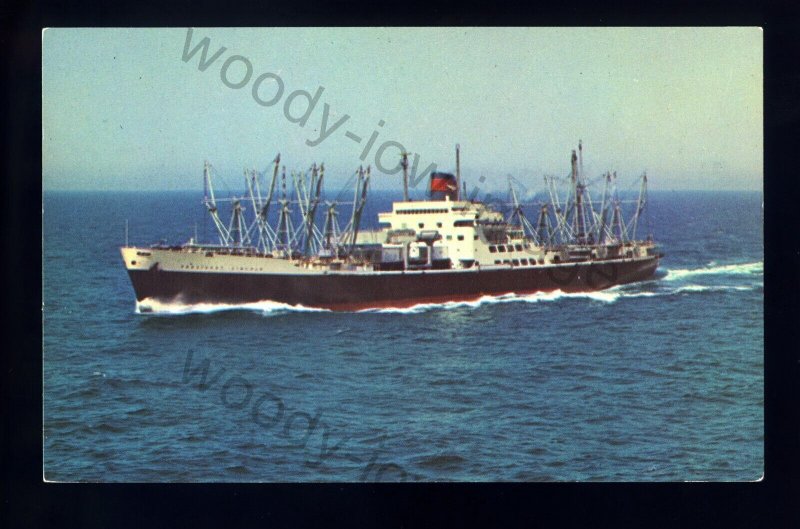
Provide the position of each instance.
(420, 211)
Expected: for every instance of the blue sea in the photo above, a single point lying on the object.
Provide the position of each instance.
(657, 381)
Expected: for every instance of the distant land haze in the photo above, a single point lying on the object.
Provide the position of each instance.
(140, 109)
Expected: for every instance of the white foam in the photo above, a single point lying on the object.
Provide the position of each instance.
(706, 288)
(266, 307)
(605, 296)
(422, 307)
(692, 288)
(640, 294)
(730, 269)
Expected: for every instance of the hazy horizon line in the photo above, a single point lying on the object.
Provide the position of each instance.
(388, 190)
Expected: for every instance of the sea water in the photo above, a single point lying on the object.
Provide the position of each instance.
(656, 381)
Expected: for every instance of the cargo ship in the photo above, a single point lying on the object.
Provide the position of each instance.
(446, 247)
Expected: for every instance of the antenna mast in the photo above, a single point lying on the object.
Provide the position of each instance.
(458, 172)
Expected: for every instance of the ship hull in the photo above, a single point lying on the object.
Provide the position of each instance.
(358, 291)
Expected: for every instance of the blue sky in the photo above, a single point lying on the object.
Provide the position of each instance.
(123, 110)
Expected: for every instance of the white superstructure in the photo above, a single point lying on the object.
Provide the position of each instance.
(467, 233)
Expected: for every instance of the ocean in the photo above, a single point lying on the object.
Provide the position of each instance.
(657, 381)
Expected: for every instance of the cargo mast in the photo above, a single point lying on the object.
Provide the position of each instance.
(311, 211)
(211, 203)
(580, 216)
(404, 163)
(284, 232)
(544, 230)
(640, 204)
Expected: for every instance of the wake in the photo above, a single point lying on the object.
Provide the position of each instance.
(604, 296)
(152, 306)
(730, 269)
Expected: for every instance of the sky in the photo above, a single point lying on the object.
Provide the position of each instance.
(133, 109)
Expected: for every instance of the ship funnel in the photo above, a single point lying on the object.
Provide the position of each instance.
(443, 186)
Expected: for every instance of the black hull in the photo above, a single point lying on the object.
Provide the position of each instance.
(360, 291)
